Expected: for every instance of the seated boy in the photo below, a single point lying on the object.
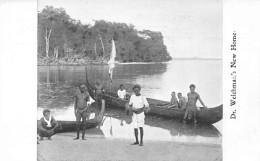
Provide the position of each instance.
(121, 93)
(173, 102)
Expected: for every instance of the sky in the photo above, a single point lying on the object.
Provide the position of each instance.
(191, 28)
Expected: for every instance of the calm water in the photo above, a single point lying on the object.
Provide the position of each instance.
(57, 84)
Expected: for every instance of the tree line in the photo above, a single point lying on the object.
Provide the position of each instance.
(61, 37)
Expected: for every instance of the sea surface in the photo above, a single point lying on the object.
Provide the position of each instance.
(58, 84)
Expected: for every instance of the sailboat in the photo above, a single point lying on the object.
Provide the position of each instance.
(111, 62)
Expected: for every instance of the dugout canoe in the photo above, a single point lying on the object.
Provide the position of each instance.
(69, 126)
(210, 115)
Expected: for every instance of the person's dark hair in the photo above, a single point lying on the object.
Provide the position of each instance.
(81, 84)
(137, 86)
(179, 93)
(173, 92)
(121, 85)
(192, 85)
(46, 111)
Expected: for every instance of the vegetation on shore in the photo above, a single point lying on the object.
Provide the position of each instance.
(63, 40)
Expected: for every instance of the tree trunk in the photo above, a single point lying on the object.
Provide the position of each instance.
(95, 48)
(47, 39)
(56, 52)
(48, 77)
(65, 47)
(102, 43)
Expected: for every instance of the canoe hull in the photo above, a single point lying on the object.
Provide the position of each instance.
(159, 108)
(69, 126)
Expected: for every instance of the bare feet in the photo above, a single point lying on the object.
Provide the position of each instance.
(49, 138)
(135, 143)
(141, 144)
(76, 138)
(84, 138)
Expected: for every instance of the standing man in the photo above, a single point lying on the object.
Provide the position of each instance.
(138, 104)
(47, 125)
(99, 90)
(191, 104)
(81, 106)
(182, 102)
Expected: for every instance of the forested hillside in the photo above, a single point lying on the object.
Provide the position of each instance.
(64, 40)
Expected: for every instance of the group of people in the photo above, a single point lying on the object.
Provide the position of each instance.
(189, 105)
(174, 103)
(138, 105)
(48, 126)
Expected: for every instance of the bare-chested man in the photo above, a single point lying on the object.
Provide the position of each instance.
(99, 90)
(182, 102)
(174, 101)
(191, 104)
(81, 106)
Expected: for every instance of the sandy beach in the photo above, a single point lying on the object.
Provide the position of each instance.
(164, 139)
(64, 148)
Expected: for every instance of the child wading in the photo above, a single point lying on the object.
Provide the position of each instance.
(138, 104)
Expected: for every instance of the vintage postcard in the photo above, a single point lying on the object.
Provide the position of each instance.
(148, 72)
(130, 80)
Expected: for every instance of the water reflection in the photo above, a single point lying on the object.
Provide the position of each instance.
(116, 124)
(158, 128)
(157, 80)
(74, 75)
(58, 84)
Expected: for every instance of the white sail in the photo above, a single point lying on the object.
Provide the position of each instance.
(111, 62)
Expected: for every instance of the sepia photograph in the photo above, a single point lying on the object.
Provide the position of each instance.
(129, 80)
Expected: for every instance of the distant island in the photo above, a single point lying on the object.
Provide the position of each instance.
(66, 41)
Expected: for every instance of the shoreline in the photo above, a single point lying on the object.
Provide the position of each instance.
(98, 148)
(131, 139)
(98, 63)
(91, 135)
(121, 63)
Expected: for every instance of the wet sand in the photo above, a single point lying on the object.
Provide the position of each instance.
(164, 139)
(64, 148)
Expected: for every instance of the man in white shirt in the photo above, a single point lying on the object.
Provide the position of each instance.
(121, 93)
(138, 104)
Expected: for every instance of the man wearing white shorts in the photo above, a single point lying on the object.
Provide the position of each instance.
(138, 104)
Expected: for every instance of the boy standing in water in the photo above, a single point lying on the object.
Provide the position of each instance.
(47, 125)
(191, 104)
(138, 104)
(81, 106)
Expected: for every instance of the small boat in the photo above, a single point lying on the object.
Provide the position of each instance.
(159, 108)
(69, 126)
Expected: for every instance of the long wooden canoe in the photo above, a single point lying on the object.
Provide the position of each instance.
(69, 126)
(159, 108)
